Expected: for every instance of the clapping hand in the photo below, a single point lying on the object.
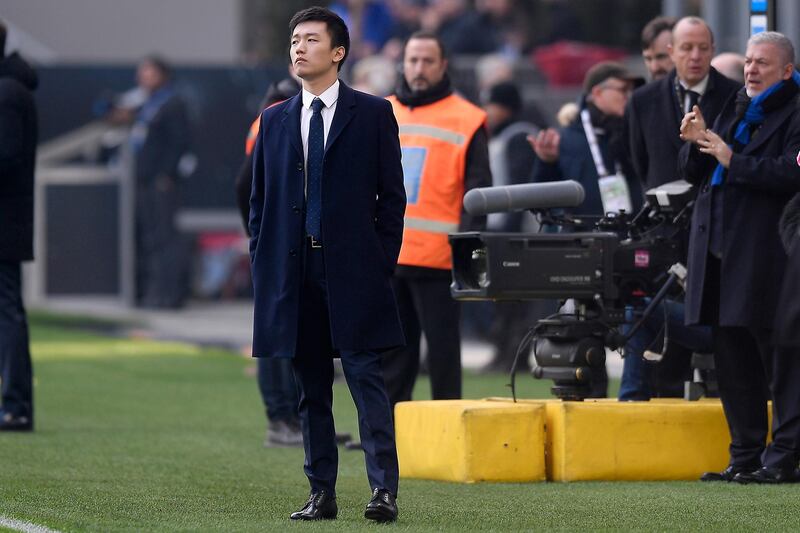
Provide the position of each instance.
(713, 144)
(693, 126)
(546, 144)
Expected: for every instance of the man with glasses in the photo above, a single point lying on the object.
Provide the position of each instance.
(593, 151)
(568, 152)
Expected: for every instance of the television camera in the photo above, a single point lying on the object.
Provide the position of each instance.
(604, 264)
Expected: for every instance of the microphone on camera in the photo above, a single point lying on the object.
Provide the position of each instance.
(501, 199)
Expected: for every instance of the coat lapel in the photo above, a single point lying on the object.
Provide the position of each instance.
(344, 112)
(291, 122)
(772, 122)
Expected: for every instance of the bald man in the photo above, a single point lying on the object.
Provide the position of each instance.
(654, 115)
(730, 65)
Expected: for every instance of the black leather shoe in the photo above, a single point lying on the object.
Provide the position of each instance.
(321, 505)
(382, 507)
(726, 475)
(768, 475)
(10, 422)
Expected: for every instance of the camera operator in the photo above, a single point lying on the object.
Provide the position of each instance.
(591, 150)
(746, 168)
(653, 118)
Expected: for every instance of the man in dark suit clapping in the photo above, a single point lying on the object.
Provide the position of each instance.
(654, 115)
(326, 220)
(746, 170)
(655, 110)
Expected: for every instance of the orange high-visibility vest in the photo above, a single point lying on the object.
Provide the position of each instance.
(252, 135)
(434, 139)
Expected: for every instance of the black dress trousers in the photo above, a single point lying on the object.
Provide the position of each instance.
(15, 358)
(313, 368)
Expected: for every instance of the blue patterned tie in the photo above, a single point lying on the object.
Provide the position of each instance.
(316, 148)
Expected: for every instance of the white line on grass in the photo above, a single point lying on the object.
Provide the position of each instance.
(27, 527)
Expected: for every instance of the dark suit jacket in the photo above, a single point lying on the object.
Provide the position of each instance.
(654, 120)
(363, 202)
(760, 181)
(166, 142)
(18, 134)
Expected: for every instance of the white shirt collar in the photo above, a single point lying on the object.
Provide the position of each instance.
(328, 97)
(699, 88)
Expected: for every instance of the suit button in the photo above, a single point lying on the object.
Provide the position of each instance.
(701, 228)
(295, 209)
(292, 252)
(300, 167)
(705, 188)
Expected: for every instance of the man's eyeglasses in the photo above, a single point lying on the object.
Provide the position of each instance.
(624, 89)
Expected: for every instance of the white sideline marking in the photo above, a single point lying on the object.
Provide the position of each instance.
(27, 527)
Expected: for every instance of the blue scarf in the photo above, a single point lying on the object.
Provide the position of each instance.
(754, 116)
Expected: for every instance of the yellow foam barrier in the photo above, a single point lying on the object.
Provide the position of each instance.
(635, 440)
(471, 440)
(656, 440)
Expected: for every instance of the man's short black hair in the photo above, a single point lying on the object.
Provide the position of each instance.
(337, 29)
(160, 64)
(654, 28)
(424, 34)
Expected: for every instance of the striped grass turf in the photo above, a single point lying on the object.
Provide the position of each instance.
(134, 435)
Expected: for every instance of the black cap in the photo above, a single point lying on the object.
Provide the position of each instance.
(505, 94)
(609, 69)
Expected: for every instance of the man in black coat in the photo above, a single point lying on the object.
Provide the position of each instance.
(326, 225)
(159, 138)
(18, 134)
(746, 170)
(655, 110)
(654, 115)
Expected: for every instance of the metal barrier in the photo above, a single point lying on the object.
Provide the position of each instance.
(84, 220)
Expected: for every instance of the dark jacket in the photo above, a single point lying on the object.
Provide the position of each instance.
(787, 323)
(166, 140)
(654, 119)
(575, 163)
(363, 202)
(18, 137)
(757, 186)
(790, 223)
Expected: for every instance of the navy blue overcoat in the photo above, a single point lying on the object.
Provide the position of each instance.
(363, 203)
(759, 183)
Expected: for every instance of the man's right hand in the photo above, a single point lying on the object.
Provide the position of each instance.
(693, 126)
(546, 144)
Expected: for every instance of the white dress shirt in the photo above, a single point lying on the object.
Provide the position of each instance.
(329, 97)
(699, 88)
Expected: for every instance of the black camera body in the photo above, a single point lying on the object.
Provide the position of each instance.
(618, 264)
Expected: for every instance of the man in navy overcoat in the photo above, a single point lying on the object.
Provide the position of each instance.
(746, 172)
(326, 219)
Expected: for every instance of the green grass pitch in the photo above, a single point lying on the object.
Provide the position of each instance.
(135, 435)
